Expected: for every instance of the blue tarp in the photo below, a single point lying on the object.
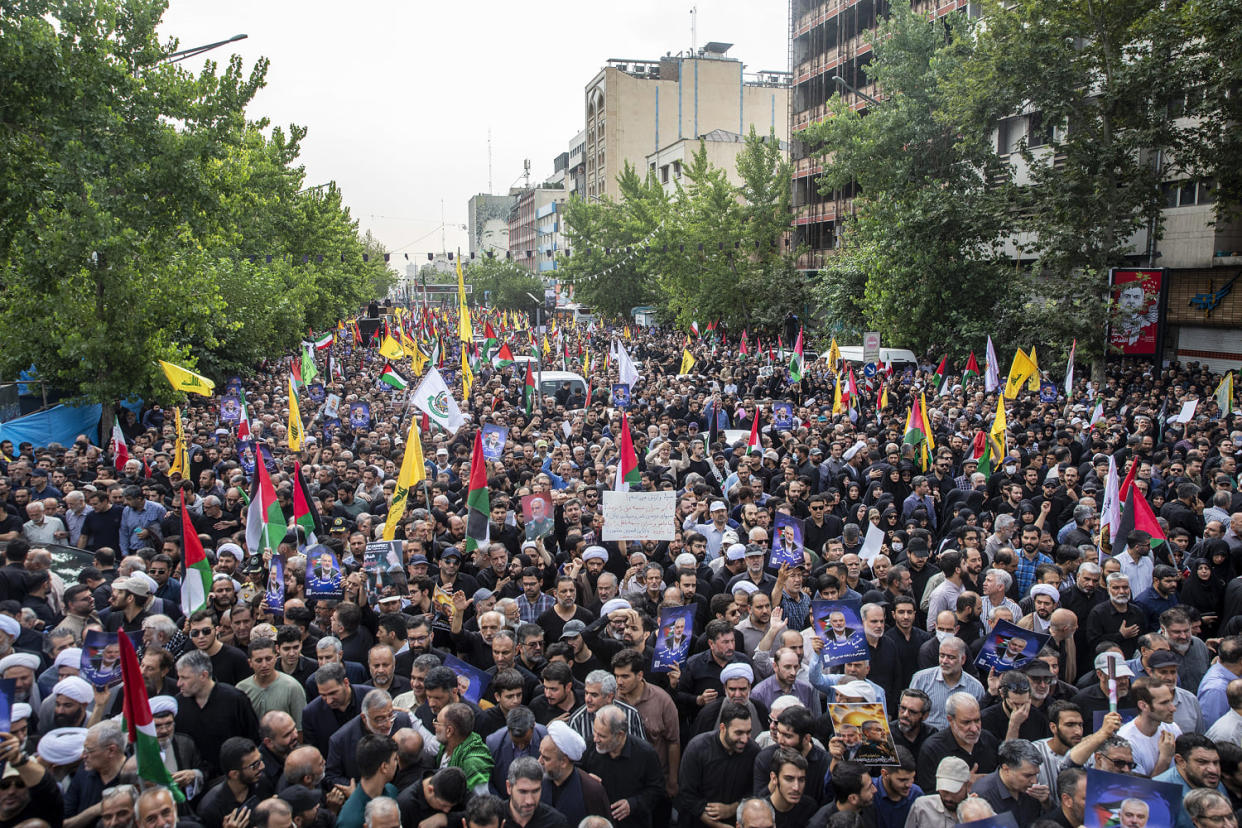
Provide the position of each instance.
(59, 424)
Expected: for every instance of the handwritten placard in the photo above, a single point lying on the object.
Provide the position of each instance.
(639, 516)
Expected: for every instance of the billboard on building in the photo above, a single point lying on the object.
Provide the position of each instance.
(1137, 311)
(488, 223)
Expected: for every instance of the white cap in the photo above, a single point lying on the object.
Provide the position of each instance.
(736, 552)
(717, 504)
(1120, 670)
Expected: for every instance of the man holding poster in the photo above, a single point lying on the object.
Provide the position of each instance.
(672, 643)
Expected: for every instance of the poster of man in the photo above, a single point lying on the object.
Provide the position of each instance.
(476, 680)
(274, 595)
(332, 407)
(315, 389)
(1136, 295)
(230, 409)
(864, 729)
(494, 438)
(621, 395)
(782, 416)
(360, 415)
(101, 658)
(839, 626)
(537, 515)
(673, 636)
(1009, 646)
(787, 547)
(1116, 800)
(323, 575)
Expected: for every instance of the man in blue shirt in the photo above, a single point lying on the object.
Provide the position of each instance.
(895, 791)
(1196, 764)
(139, 521)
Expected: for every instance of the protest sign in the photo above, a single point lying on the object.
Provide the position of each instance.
(639, 516)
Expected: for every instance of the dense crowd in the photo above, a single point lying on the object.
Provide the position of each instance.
(357, 712)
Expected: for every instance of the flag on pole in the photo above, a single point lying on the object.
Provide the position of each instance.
(413, 471)
(467, 377)
(795, 360)
(265, 522)
(528, 389)
(490, 341)
(391, 348)
(991, 376)
(626, 370)
(1224, 395)
(971, 371)
(999, 425)
(478, 500)
(1110, 507)
(938, 380)
(1020, 371)
(504, 357)
(1137, 515)
(187, 381)
(627, 461)
(464, 332)
(834, 355)
(181, 463)
(120, 451)
(742, 352)
(140, 724)
(1032, 384)
(295, 433)
(981, 453)
(304, 512)
(915, 436)
(309, 371)
(391, 377)
(687, 362)
(1069, 372)
(196, 586)
(432, 396)
(322, 342)
(753, 446)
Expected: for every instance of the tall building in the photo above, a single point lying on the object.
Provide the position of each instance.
(722, 147)
(636, 107)
(535, 227)
(488, 223)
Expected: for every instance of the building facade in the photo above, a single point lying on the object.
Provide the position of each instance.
(534, 227)
(488, 223)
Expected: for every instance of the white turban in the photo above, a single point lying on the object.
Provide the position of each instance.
(595, 553)
(737, 669)
(746, 586)
(19, 711)
(856, 689)
(1048, 590)
(567, 740)
(163, 704)
(28, 660)
(76, 688)
(69, 657)
(62, 746)
(9, 625)
(854, 449)
(613, 605)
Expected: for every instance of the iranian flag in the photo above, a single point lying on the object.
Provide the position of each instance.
(322, 342)
(528, 390)
(120, 451)
(243, 424)
(265, 522)
(796, 361)
(478, 500)
(391, 377)
(196, 585)
(139, 722)
(304, 512)
(753, 446)
(694, 326)
(503, 357)
(627, 462)
(972, 370)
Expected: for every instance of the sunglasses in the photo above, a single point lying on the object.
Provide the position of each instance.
(200, 633)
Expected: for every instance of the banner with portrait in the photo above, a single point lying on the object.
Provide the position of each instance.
(863, 727)
(673, 637)
(1008, 646)
(1137, 311)
(323, 574)
(1117, 800)
(839, 626)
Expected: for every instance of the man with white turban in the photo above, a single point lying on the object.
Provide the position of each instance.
(61, 751)
(180, 754)
(21, 668)
(19, 722)
(567, 788)
(68, 705)
(738, 678)
(10, 631)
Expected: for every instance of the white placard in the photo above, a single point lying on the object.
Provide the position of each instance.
(1187, 413)
(871, 546)
(639, 516)
(871, 347)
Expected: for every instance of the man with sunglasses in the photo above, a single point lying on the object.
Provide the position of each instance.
(27, 790)
(244, 785)
(1115, 756)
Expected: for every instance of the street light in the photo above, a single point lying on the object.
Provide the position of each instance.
(177, 57)
(841, 81)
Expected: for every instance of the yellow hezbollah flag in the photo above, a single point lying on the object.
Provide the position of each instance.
(390, 348)
(464, 332)
(419, 359)
(467, 377)
(187, 381)
(180, 465)
(412, 472)
(687, 362)
(927, 432)
(1019, 372)
(998, 431)
(1033, 383)
(547, 349)
(837, 407)
(295, 419)
(834, 355)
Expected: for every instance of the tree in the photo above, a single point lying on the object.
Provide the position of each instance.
(499, 283)
(921, 258)
(1212, 33)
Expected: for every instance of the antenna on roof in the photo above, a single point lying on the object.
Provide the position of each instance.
(694, 13)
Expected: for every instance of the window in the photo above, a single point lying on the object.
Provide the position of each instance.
(677, 169)
(1008, 133)
(1037, 133)
(1188, 193)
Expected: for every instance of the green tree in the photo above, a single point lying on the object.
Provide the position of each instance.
(1212, 33)
(499, 283)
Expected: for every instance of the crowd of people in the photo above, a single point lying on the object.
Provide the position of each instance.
(511, 682)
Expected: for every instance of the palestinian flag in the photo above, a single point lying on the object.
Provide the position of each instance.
(394, 379)
(938, 380)
(795, 360)
(196, 585)
(915, 436)
(1137, 514)
(265, 522)
(753, 446)
(304, 512)
(742, 352)
(981, 452)
(627, 462)
(478, 500)
(490, 341)
(322, 342)
(971, 372)
(503, 357)
(140, 724)
(528, 390)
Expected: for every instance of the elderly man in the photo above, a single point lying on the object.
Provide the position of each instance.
(179, 752)
(946, 679)
(520, 736)
(938, 809)
(21, 668)
(117, 806)
(600, 688)
(963, 737)
(376, 716)
(103, 756)
(628, 768)
(42, 528)
(1012, 788)
(567, 788)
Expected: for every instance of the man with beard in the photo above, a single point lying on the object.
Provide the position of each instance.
(716, 767)
(1196, 764)
(29, 790)
(68, 703)
(793, 730)
(128, 604)
(103, 756)
(1045, 599)
(1175, 626)
(1118, 620)
(567, 788)
(21, 668)
(280, 735)
(1067, 747)
(564, 610)
(243, 785)
(1095, 697)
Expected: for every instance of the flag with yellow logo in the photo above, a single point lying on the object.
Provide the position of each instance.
(181, 463)
(467, 377)
(295, 419)
(413, 471)
(464, 331)
(390, 348)
(1019, 373)
(187, 381)
(687, 362)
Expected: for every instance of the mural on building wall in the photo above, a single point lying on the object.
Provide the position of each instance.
(1136, 323)
(489, 224)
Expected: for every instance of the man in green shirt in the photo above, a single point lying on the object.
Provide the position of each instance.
(377, 764)
(269, 689)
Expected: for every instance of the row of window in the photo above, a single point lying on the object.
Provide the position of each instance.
(1188, 193)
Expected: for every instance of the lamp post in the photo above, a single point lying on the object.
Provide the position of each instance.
(842, 82)
(185, 54)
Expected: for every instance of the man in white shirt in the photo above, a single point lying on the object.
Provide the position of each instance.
(1151, 733)
(1228, 728)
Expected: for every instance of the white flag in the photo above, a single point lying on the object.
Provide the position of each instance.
(626, 372)
(432, 396)
(1110, 509)
(991, 372)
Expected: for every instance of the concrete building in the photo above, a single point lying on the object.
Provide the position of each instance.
(635, 107)
(723, 148)
(535, 227)
(488, 222)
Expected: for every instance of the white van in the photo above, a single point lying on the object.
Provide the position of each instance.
(551, 381)
(899, 358)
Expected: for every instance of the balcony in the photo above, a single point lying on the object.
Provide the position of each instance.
(821, 14)
(831, 59)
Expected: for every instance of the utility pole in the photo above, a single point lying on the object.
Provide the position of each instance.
(489, 160)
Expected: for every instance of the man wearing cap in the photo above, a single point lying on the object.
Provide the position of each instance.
(713, 531)
(127, 608)
(755, 559)
(1163, 665)
(1095, 697)
(567, 788)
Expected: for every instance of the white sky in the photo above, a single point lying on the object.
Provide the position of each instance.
(398, 95)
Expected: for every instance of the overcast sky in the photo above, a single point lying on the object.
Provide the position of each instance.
(398, 95)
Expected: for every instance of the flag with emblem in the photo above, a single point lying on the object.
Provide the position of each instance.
(187, 381)
(295, 432)
(413, 471)
(432, 396)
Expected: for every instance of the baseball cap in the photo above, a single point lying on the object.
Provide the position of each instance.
(1119, 664)
(951, 774)
(451, 552)
(735, 552)
(1163, 658)
(717, 504)
(573, 629)
(1036, 668)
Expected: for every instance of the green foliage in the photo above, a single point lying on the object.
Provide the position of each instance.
(921, 259)
(1212, 75)
(134, 193)
(505, 285)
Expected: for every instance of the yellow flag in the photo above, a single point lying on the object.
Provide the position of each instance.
(407, 344)
(187, 381)
(930, 442)
(547, 349)
(390, 348)
(295, 420)
(1019, 372)
(179, 464)
(837, 407)
(687, 362)
(998, 431)
(419, 359)
(586, 362)
(834, 355)
(467, 377)
(413, 471)
(1033, 383)
(464, 332)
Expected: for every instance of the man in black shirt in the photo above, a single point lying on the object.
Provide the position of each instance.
(786, 785)
(910, 729)
(629, 769)
(244, 784)
(964, 738)
(208, 711)
(27, 790)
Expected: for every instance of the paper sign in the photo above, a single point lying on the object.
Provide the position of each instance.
(639, 515)
(871, 346)
(872, 544)
(1187, 413)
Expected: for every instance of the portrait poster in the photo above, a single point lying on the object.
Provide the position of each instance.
(380, 560)
(782, 416)
(478, 680)
(673, 637)
(1001, 820)
(316, 392)
(101, 657)
(330, 427)
(787, 546)
(360, 415)
(323, 574)
(839, 626)
(274, 595)
(1135, 324)
(494, 439)
(332, 406)
(230, 409)
(1116, 800)
(621, 395)
(863, 727)
(537, 515)
(233, 385)
(1009, 646)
